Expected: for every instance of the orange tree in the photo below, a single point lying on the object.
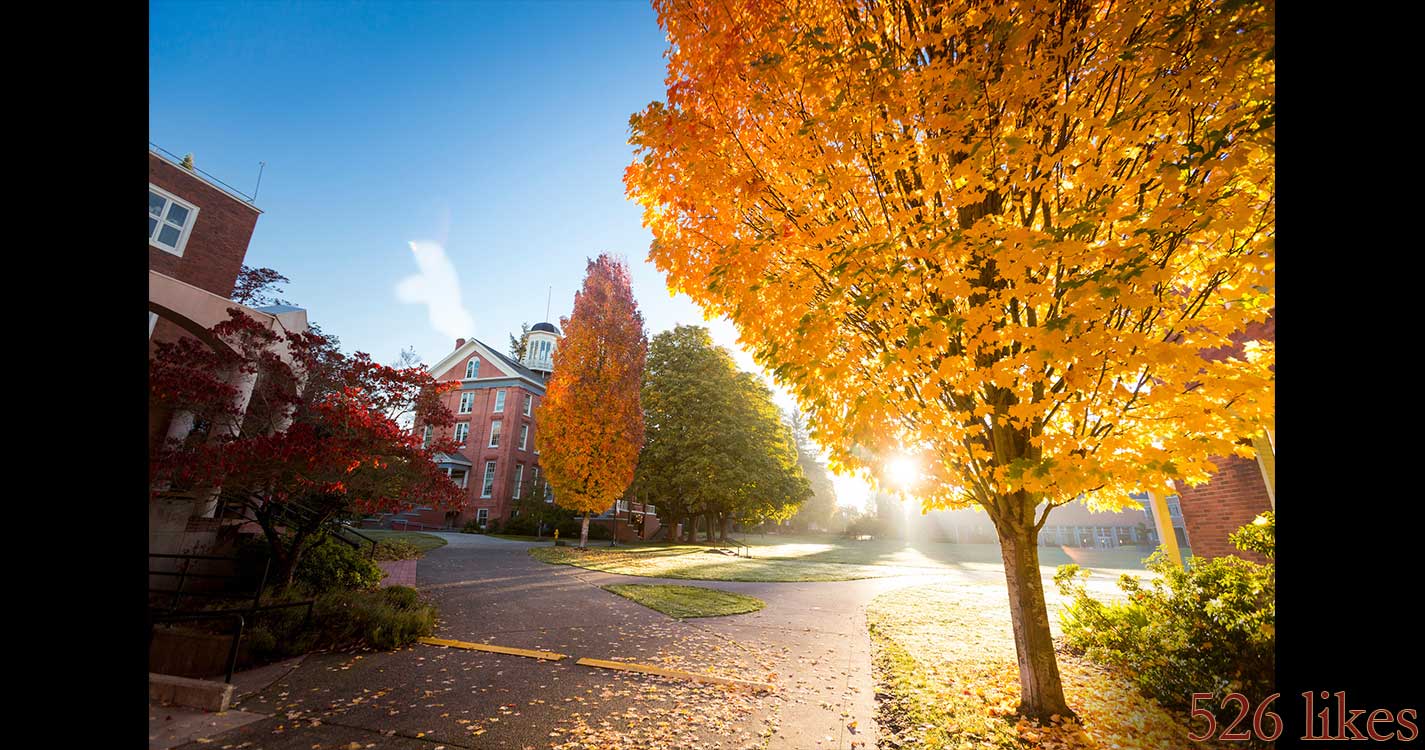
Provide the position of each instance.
(591, 422)
(995, 235)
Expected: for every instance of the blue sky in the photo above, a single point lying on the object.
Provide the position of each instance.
(496, 131)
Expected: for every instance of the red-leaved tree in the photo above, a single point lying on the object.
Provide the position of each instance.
(318, 439)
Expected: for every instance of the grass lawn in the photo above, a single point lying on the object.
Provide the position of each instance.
(423, 542)
(826, 558)
(945, 664)
(698, 564)
(687, 601)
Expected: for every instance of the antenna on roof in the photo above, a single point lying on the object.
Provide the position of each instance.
(547, 301)
(260, 166)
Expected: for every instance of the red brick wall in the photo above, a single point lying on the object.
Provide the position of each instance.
(1211, 512)
(477, 449)
(218, 241)
(1237, 493)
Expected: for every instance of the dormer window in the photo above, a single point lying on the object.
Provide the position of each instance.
(472, 368)
(170, 220)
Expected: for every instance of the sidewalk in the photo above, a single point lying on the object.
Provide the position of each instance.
(171, 726)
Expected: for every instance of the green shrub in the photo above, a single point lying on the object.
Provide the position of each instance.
(867, 525)
(332, 566)
(385, 619)
(472, 527)
(401, 597)
(1210, 628)
(396, 549)
(389, 618)
(526, 525)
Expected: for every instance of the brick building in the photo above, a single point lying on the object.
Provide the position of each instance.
(494, 407)
(497, 462)
(1241, 489)
(198, 234)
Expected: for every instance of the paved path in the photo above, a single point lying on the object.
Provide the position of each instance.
(810, 641)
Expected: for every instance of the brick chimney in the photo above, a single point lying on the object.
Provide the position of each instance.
(459, 343)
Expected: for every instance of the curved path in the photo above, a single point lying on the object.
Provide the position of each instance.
(810, 641)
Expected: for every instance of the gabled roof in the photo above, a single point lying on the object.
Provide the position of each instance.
(507, 366)
(521, 369)
(452, 458)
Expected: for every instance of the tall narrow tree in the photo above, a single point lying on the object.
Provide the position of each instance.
(1000, 236)
(591, 421)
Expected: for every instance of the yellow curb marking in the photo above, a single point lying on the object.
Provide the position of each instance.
(549, 655)
(649, 669)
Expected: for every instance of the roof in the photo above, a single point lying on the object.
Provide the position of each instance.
(517, 367)
(446, 458)
(510, 367)
(545, 327)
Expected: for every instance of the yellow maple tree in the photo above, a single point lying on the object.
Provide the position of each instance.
(996, 236)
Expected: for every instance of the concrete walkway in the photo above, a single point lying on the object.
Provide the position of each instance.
(810, 641)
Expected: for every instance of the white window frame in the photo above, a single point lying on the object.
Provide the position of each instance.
(495, 433)
(528, 404)
(152, 320)
(519, 477)
(524, 437)
(487, 487)
(187, 229)
(459, 438)
(472, 368)
(425, 437)
(499, 401)
(482, 516)
(467, 402)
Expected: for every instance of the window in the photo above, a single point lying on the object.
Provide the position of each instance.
(528, 405)
(495, 434)
(425, 437)
(467, 400)
(482, 515)
(489, 485)
(500, 400)
(519, 477)
(524, 437)
(534, 481)
(461, 431)
(152, 319)
(170, 220)
(472, 368)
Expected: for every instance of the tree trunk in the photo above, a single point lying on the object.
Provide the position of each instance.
(722, 531)
(1041, 692)
(710, 523)
(584, 532)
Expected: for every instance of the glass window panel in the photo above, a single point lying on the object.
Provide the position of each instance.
(168, 235)
(155, 204)
(152, 224)
(177, 214)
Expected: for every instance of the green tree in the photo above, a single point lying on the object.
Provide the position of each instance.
(716, 449)
(821, 506)
(517, 345)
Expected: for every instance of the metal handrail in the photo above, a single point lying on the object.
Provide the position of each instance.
(237, 632)
(241, 615)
